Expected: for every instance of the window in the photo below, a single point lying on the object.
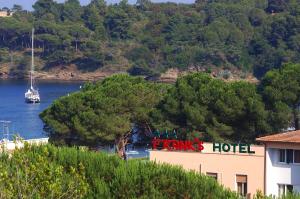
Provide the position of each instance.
(283, 189)
(212, 175)
(289, 156)
(281, 155)
(241, 183)
(297, 156)
(289, 188)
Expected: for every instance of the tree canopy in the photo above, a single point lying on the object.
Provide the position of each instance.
(197, 105)
(237, 34)
(281, 90)
(217, 110)
(104, 112)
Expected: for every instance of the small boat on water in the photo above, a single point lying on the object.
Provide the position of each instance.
(32, 95)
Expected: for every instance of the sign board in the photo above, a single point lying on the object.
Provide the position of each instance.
(197, 145)
(178, 145)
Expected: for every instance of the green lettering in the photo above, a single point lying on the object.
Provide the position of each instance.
(215, 146)
(226, 147)
(249, 150)
(242, 148)
(234, 147)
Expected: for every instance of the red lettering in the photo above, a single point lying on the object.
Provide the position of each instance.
(178, 145)
(189, 146)
(174, 144)
(182, 145)
(155, 143)
(199, 144)
(166, 144)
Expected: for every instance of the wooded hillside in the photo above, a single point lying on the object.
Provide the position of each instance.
(148, 38)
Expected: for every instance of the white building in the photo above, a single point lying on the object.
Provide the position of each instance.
(6, 145)
(5, 13)
(282, 163)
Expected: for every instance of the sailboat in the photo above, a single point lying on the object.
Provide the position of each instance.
(32, 95)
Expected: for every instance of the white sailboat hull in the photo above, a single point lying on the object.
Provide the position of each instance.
(32, 96)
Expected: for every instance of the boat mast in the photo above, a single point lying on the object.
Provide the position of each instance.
(32, 60)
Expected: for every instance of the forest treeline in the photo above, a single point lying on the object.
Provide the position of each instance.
(148, 38)
(196, 106)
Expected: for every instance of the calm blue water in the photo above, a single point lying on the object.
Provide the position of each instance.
(25, 117)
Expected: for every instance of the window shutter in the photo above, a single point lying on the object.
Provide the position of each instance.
(241, 178)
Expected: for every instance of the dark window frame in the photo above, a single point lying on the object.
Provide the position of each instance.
(243, 185)
(297, 160)
(282, 155)
(212, 175)
(284, 189)
(289, 156)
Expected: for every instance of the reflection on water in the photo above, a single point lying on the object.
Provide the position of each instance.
(25, 117)
(139, 153)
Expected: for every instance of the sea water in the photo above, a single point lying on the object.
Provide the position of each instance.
(24, 117)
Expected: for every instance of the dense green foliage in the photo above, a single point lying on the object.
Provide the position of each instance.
(30, 173)
(289, 195)
(281, 90)
(148, 38)
(222, 111)
(51, 172)
(104, 112)
(197, 105)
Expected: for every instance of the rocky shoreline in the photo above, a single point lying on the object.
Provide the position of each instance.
(169, 76)
(75, 75)
(61, 76)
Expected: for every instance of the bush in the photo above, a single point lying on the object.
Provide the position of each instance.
(98, 175)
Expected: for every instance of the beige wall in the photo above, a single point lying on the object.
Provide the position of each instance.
(3, 14)
(227, 165)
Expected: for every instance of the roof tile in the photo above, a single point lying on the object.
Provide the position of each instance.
(289, 137)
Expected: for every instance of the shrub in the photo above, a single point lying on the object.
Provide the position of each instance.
(53, 171)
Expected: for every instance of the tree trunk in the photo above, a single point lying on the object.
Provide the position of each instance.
(76, 45)
(120, 144)
(148, 130)
(296, 118)
(120, 147)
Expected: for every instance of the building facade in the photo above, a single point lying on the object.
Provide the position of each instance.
(272, 168)
(5, 13)
(282, 163)
(242, 172)
(9, 146)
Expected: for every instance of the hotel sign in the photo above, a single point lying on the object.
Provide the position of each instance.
(197, 145)
(178, 145)
(235, 148)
